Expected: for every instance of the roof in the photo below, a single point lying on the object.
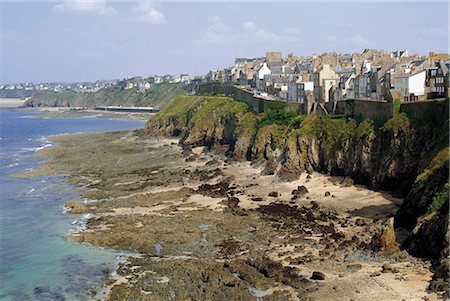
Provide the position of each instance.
(445, 66)
(409, 75)
(342, 70)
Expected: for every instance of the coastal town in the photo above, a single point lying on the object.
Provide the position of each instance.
(369, 75)
(372, 75)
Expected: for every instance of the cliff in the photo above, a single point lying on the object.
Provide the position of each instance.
(157, 96)
(406, 156)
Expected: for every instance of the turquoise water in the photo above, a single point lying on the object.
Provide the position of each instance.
(37, 261)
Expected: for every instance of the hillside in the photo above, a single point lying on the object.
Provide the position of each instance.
(158, 96)
(409, 157)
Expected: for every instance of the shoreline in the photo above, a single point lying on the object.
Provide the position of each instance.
(201, 184)
(66, 112)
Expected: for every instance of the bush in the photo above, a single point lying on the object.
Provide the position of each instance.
(439, 199)
(282, 117)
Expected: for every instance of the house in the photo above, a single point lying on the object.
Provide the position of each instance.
(351, 88)
(297, 90)
(184, 78)
(398, 54)
(260, 74)
(437, 80)
(324, 79)
(411, 86)
(214, 75)
(341, 91)
(364, 86)
(274, 58)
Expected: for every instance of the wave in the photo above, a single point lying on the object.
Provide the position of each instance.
(31, 191)
(10, 165)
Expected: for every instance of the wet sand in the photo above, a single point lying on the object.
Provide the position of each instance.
(210, 228)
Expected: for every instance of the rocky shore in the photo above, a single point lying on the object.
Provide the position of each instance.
(207, 227)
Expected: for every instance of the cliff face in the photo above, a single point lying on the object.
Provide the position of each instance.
(406, 157)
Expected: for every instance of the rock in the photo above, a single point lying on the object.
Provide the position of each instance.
(308, 177)
(269, 169)
(76, 207)
(354, 267)
(384, 240)
(232, 202)
(273, 194)
(387, 268)
(388, 242)
(347, 182)
(314, 205)
(327, 193)
(318, 276)
(257, 199)
(375, 274)
(302, 189)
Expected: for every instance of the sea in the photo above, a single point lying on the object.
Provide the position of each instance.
(37, 261)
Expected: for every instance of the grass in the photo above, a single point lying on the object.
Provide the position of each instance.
(439, 199)
(399, 122)
(438, 162)
(158, 95)
(202, 110)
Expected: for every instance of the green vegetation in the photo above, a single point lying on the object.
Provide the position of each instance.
(396, 106)
(439, 161)
(439, 199)
(366, 129)
(216, 108)
(399, 122)
(202, 109)
(248, 125)
(159, 95)
(282, 117)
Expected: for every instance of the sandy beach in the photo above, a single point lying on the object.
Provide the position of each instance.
(210, 228)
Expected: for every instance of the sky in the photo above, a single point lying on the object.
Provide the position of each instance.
(90, 40)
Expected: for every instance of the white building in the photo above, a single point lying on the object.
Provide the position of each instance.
(263, 71)
(411, 86)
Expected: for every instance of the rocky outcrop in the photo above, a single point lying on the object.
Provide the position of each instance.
(407, 157)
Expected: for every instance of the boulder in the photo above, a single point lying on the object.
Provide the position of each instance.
(385, 240)
(318, 276)
(347, 182)
(76, 207)
(273, 194)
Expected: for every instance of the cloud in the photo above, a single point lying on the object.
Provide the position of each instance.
(147, 13)
(90, 6)
(359, 41)
(435, 31)
(218, 32)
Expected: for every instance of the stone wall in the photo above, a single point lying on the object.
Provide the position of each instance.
(371, 109)
(258, 104)
(436, 110)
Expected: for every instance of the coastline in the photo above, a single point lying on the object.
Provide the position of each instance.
(144, 184)
(35, 229)
(66, 112)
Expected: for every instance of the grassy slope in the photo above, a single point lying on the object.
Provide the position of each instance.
(158, 96)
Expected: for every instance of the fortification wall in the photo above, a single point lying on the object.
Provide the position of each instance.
(436, 110)
(256, 103)
(371, 109)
